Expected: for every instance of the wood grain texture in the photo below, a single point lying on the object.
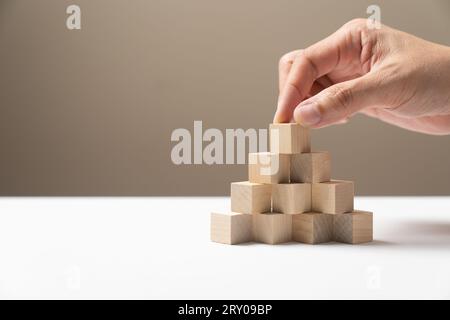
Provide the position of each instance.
(312, 228)
(313, 167)
(289, 138)
(272, 228)
(248, 197)
(268, 167)
(335, 196)
(231, 228)
(354, 227)
(291, 198)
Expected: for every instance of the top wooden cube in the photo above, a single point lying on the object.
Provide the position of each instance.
(289, 138)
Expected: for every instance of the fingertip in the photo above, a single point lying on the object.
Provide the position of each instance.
(275, 118)
(281, 117)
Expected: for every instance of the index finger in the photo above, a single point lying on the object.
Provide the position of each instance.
(309, 65)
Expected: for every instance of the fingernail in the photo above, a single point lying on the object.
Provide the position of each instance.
(308, 114)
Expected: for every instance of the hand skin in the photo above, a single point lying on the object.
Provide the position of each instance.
(383, 73)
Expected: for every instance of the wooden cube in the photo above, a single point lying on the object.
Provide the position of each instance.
(272, 228)
(231, 228)
(248, 197)
(334, 197)
(268, 167)
(354, 227)
(289, 138)
(311, 167)
(291, 198)
(312, 227)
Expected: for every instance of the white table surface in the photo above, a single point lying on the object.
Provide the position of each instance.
(159, 248)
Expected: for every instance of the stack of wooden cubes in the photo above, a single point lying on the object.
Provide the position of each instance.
(289, 196)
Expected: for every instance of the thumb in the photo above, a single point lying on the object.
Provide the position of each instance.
(339, 102)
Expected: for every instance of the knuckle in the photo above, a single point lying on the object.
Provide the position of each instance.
(305, 58)
(358, 24)
(342, 99)
(284, 60)
(288, 58)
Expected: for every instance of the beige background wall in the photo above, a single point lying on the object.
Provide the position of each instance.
(90, 112)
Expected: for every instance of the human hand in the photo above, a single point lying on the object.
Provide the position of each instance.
(383, 73)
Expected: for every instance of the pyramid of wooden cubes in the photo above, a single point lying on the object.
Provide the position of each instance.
(290, 196)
